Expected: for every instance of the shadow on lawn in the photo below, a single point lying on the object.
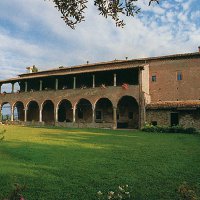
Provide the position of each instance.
(53, 171)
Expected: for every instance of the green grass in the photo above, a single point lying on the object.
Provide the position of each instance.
(58, 163)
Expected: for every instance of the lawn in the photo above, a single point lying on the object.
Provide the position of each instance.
(58, 163)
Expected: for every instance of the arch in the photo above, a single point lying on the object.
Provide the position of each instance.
(6, 111)
(18, 111)
(33, 111)
(48, 112)
(127, 112)
(65, 112)
(83, 111)
(104, 110)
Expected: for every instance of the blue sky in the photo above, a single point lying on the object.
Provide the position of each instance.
(32, 33)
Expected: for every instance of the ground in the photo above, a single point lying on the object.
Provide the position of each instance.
(58, 163)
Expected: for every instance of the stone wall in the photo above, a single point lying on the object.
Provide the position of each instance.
(187, 118)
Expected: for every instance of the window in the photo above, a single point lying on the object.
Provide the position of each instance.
(154, 123)
(174, 119)
(98, 115)
(153, 78)
(179, 76)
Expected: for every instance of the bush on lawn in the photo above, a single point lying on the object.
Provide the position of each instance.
(16, 193)
(186, 192)
(168, 129)
(121, 193)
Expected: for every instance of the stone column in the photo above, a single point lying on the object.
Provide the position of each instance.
(13, 87)
(93, 115)
(26, 86)
(56, 84)
(12, 114)
(41, 85)
(93, 81)
(115, 79)
(25, 115)
(74, 86)
(74, 114)
(40, 115)
(114, 117)
(56, 115)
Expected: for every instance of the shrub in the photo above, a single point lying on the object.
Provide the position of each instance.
(16, 193)
(121, 193)
(186, 192)
(168, 129)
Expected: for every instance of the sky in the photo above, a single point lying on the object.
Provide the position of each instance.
(33, 33)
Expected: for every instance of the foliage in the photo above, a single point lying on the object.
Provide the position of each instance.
(168, 129)
(16, 193)
(121, 193)
(73, 10)
(2, 137)
(186, 192)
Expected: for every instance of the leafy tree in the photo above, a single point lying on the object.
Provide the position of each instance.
(73, 10)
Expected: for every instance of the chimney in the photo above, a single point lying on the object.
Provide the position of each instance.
(199, 49)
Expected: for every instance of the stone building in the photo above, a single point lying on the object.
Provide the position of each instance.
(161, 90)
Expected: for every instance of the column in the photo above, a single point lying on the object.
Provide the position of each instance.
(114, 118)
(115, 79)
(74, 114)
(12, 114)
(93, 115)
(13, 87)
(74, 86)
(25, 115)
(93, 81)
(26, 86)
(41, 85)
(56, 115)
(56, 84)
(40, 115)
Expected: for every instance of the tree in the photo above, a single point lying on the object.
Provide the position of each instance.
(73, 10)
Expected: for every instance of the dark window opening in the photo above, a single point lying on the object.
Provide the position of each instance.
(179, 76)
(153, 78)
(154, 123)
(117, 116)
(174, 119)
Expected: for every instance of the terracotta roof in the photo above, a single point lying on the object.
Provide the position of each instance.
(140, 60)
(101, 66)
(174, 104)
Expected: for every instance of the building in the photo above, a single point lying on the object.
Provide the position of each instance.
(161, 90)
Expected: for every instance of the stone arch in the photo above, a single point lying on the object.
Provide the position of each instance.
(104, 110)
(83, 111)
(19, 113)
(6, 111)
(48, 112)
(33, 111)
(127, 112)
(65, 111)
